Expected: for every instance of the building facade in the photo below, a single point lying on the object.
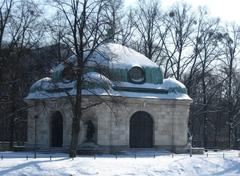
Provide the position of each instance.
(129, 106)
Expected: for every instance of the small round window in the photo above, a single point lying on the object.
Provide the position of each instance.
(68, 74)
(136, 75)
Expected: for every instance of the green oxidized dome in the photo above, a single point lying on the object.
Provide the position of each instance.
(174, 86)
(118, 60)
(113, 69)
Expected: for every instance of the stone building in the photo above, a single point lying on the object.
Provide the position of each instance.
(127, 104)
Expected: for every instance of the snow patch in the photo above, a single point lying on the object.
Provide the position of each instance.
(171, 82)
(111, 55)
(146, 163)
(124, 57)
(96, 77)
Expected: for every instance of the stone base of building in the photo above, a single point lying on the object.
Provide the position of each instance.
(91, 149)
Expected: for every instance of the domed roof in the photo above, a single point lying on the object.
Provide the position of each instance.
(172, 85)
(117, 69)
(123, 57)
(118, 59)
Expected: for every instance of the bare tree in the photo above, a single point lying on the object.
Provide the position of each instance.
(127, 29)
(56, 31)
(146, 20)
(19, 36)
(201, 20)
(86, 27)
(181, 22)
(113, 17)
(208, 53)
(5, 10)
(231, 45)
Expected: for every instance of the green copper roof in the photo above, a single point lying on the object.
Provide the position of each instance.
(152, 75)
(125, 71)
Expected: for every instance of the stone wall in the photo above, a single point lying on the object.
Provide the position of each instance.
(112, 121)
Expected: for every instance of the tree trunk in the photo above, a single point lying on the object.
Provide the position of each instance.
(11, 130)
(12, 118)
(77, 112)
(230, 105)
(74, 137)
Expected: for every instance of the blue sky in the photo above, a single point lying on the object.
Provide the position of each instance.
(227, 10)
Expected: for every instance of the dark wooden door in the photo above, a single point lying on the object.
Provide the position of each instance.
(56, 130)
(141, 130)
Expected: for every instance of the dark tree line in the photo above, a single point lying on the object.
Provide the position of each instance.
(191, 46)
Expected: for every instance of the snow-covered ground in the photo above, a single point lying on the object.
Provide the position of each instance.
(145, 163)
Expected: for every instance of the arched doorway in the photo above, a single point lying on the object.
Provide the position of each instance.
(56, 132)
(141, 130)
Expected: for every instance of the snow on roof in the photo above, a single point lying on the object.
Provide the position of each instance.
(101, 92)
(171, 82)
(47, 89)
(124, 57)
(174, 85)
(96, 77)
(116, 56)
(46, 84)
(112, 55)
